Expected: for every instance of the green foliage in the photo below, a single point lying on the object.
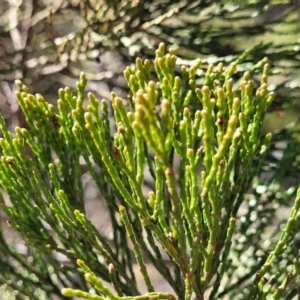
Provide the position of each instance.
(210, 123)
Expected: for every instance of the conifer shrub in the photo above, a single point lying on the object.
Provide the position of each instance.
(208, 225)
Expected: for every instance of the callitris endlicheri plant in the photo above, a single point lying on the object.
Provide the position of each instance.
(199, 214)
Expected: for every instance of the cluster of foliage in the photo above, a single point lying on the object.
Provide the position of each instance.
(212, 126)
(218, 214)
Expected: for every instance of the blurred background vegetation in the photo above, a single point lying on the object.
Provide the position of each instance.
(47, 44)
